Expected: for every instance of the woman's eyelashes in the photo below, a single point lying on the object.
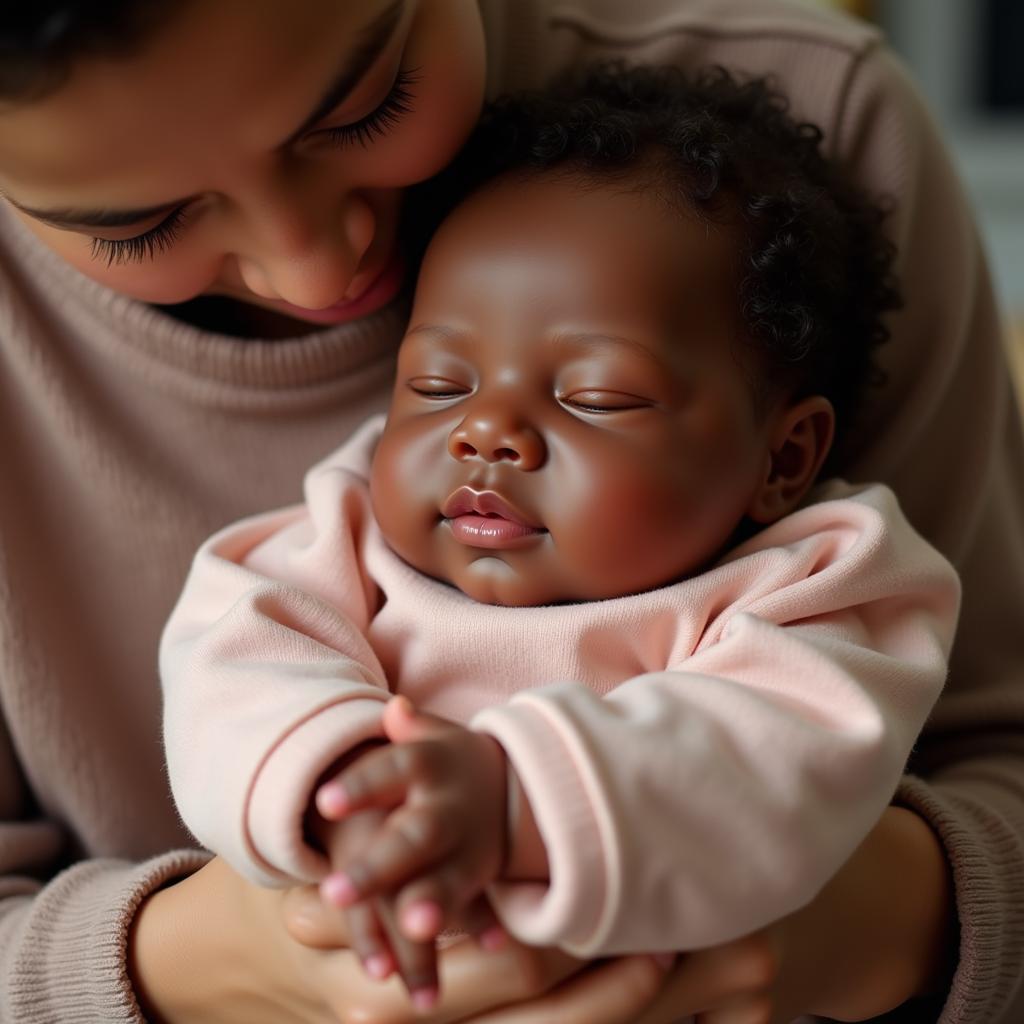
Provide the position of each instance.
(145, 246)
(396, 104)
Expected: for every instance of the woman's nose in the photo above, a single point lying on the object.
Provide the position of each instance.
(497, 436)
(310, 264)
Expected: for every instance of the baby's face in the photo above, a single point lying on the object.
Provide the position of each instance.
(570, 420)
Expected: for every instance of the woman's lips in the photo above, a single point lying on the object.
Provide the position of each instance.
(378, 293)
(483, 519)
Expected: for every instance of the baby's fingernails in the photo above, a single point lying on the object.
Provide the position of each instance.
(331, 800)
(424, 999)
(493, 939)
(379, 966)
(338, 889)
(664, 960)
(422, 920)
(403, 704)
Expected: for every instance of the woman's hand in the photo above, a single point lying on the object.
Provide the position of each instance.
(212, 949)
(881, 932)
(517, 984)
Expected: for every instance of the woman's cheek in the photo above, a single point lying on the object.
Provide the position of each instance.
(173, 276)
(447, 98)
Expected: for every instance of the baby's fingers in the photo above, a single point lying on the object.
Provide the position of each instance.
(379, 779)
(412, 839)
(369, 941)
(446, 897)
(416, 961)
(482, 923)
(383, 949)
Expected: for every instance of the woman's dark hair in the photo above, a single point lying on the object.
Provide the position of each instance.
(815, 267)
(41, 39)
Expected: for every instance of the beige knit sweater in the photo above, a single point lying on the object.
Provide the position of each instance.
(127, 437)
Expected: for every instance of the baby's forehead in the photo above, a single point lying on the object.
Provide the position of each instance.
(601, 270)
(629, 211)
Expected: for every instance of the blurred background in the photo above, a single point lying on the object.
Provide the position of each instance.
(968, 59)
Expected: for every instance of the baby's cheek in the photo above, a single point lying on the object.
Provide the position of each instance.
(404, 486)
(603, 533)
(638, 534)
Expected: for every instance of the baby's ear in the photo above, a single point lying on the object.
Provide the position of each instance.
(800, 439)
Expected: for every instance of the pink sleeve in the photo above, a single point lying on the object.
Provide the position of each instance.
(694, 805)
(268, 677)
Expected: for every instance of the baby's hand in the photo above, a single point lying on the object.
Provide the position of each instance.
(372, 928)
(444, 838)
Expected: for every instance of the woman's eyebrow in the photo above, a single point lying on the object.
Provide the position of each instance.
(372, 39)
(68, 217)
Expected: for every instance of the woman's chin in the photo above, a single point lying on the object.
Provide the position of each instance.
(237, 317)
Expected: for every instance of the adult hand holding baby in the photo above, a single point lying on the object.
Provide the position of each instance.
(216, 949)
(873, 938)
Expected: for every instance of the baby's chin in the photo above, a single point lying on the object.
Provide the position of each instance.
(489, 579)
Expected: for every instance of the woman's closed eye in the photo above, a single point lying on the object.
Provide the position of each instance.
(395, 105)
(149, 244)
(157, 240)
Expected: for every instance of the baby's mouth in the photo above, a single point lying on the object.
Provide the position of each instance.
(484, 519)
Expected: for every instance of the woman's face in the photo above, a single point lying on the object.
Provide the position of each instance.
(250, 149)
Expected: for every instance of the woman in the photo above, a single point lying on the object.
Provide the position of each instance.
(241, 165)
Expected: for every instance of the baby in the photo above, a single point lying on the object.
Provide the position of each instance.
(636, 340)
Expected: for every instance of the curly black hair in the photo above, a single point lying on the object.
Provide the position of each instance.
(816, 272)
(41, 39)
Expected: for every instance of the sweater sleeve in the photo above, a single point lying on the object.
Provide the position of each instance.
(63, 944)
(694, 805)
(268, 675)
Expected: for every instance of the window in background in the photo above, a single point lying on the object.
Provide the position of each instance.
(1002, 73)
(968, 58)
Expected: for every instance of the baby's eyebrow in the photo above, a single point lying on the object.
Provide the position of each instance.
(596, 339)
(580, 339)
(372, 39)
(436, 332)
(602, 345)
(442, 329)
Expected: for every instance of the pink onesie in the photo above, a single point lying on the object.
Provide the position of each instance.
(700, 758)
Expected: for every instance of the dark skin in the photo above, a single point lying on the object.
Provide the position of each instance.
(211, 947)
(572, 420)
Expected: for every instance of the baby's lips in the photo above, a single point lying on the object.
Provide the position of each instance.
(466, 501)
